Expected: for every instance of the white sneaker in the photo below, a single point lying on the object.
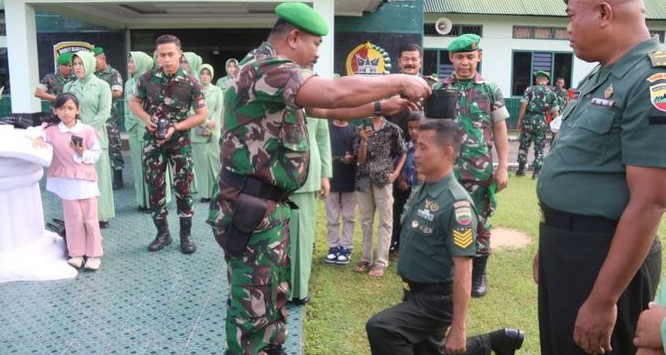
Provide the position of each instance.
(93, 263)
(75, 261)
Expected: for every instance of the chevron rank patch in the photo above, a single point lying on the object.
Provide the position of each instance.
(463, 237)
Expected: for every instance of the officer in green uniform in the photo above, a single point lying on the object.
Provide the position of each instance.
(602, 189)
(537, 102)
(112, 76)
(164, 97)
(52, 84)
(437, 243)
(482, 116)
(265, 156)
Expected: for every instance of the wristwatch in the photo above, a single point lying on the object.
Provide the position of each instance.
(378, 108)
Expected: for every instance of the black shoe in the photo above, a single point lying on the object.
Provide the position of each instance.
(535, 175)
(104, 224)
(507, 341)
(205, 200)
(300, 301)
(117, 179)
(479, 280)
(186, 244)
(521, 170)
(163, 237)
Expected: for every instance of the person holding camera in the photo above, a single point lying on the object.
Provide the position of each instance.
(94, 96)
(73, 178)
(162, 99)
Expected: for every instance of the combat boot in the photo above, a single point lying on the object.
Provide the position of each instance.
(117, 179)
(535, 175)
(186, 244)
(521, 169)
(163, 237)
(479, 281)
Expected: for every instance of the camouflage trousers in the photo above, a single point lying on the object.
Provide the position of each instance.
(485, 208)
(177, 152)
(115, 144)
(258, 285)
(528, 134)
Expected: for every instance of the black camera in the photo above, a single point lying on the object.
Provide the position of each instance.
(162, 127)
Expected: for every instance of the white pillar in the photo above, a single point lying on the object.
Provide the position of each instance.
(22, 55)
(325, 64)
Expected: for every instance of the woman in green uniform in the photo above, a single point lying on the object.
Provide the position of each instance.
(94, 96)
(206, 137)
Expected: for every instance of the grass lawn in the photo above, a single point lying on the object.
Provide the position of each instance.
(343, 300)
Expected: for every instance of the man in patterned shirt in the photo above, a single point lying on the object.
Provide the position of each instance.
(537, 102)
(265, 156)
(168, 92)
(482, 116)
(52, 84)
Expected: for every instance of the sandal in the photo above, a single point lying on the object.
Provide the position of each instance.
(377, 270)
(362, 266)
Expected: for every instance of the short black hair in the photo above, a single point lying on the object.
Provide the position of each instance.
(164, 39)
(414, 116)
(447, 133)
(412, 47)
(280, 29)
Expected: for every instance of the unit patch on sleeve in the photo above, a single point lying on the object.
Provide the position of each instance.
(463, 212)
(463, 237)
(658, 96)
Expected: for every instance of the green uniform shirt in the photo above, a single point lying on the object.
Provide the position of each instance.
(439, 223)
(619, 119)
(264, 133)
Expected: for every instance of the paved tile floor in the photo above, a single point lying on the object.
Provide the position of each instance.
(137, 303)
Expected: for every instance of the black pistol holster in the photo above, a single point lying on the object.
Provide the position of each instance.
(249, 211)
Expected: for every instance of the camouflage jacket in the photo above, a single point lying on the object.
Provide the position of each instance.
(480, 105)
(562, 96)
(169, 96)
(54, 83)
(540, 99)
(264, 133)
(115, 81)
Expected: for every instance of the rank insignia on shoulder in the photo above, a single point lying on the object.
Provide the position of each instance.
(658, 58)
(463, 237)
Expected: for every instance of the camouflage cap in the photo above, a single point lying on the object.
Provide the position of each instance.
(542, 73)
(98, 50)
(468, 42)
(302, 16)
(64, 59)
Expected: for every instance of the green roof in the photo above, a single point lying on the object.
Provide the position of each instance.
(654, 9)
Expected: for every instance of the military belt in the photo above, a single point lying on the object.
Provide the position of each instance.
(255, 187)
(416, 287)
(575, 222)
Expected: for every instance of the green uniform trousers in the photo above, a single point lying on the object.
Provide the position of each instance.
(417, 326)
(258, 286)
(301, 242)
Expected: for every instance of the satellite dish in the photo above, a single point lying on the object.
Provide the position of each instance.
(443, 25)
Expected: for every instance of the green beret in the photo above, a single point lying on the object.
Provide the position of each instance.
(302, 16)
(466, 43)
(542, 73)
(98, 50)
(64, 59)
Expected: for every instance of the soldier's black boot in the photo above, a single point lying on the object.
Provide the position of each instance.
(163, 237)
(521, 169)
(506, 341)
(117, 179)
(479, 281)
(186, 244)
(535, 175)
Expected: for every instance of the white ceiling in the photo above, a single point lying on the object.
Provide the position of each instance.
(132, 14)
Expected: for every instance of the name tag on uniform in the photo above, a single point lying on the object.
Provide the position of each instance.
(602, 102)
(425, 214)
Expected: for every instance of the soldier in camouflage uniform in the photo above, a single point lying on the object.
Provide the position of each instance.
(482, 116)
(168, 93)
(562, 94)
(265, 157)
(115, 81)
(52, 84)
(537, 101)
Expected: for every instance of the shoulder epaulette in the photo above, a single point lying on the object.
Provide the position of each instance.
(658, 58)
